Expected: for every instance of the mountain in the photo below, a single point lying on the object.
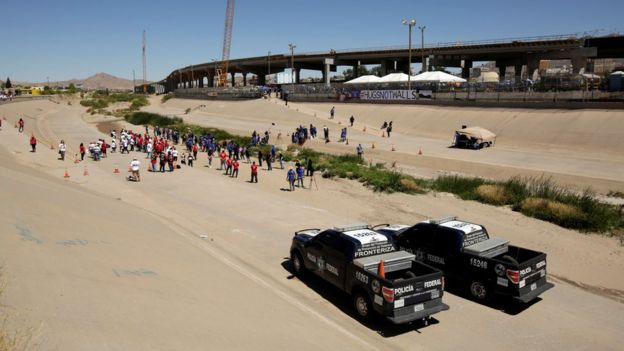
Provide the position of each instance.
(98, 81)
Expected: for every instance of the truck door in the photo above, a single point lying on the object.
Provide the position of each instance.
(444, 249)
(330, 257)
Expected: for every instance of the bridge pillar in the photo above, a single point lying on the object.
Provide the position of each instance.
(233, 75)
(356, 71)
(328, 62)
(244, 78)
(211, 79)
(201, 81)
(297, 75)
(532, 65)
(466, 69)
(502, 70)
(384, 67)
(262, 79)
(518, 73)
(578, 63)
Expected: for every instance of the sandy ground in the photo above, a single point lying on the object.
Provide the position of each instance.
(195, 260)
(578, 149)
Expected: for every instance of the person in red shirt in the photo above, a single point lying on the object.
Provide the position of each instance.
(21, 126)
(195, 149)
(33, 143)
(228, 162)
(254, 172)
(235, 167)
(222, 157)
(103, 148)
(82, 151)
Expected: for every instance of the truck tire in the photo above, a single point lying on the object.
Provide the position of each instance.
(297, 263)
(362, 304)
(479, 291)
(509, 259)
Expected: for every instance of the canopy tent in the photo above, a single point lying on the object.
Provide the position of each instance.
(478, 133)
(364, 80)
(438, 77)
(394, 78)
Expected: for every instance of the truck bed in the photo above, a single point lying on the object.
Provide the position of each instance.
(393, 261)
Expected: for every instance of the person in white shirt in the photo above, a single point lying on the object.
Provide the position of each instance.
(62, 149)
(135, 166)
(148, 148)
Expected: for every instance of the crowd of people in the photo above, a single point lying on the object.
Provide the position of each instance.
(161, 149)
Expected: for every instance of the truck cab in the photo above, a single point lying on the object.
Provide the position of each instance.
(367, 265)
(466, 253)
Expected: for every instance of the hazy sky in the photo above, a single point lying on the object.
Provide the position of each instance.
(78, 38)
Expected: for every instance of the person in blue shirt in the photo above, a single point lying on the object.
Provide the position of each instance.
(290, 177)
(300, 177)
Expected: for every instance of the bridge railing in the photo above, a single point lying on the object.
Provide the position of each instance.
(571, 36)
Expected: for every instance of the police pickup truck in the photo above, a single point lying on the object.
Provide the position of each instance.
(471, 259)
(367, 265)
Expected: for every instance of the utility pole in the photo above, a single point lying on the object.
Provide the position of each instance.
(144, 66)
(411, 23)
(292, 63)
(422, 47)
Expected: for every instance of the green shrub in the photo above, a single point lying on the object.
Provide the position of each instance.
(167, 97)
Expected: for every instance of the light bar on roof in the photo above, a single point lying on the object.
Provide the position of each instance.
(443, 220)
(350, 227)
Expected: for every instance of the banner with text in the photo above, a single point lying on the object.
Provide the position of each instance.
(390, 95)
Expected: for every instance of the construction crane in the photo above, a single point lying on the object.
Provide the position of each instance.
(144, 66)
(222, 72)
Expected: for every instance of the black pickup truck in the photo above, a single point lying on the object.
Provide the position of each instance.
(367, 265)
(470, 258)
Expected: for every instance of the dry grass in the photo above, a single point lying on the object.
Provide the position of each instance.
(411, 186)
(543, 207)
(493, 193)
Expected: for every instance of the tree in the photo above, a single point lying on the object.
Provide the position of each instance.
(362, 70)
(8, 84)
(376, 70)
(71, 89)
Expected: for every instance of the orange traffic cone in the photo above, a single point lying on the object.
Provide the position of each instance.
(381, 269)
(66, 174)
(364, 129)
(51, 146)
(393, 149)
(86, 171)
(346, 141)
(116, 170)
(373, 146)
(383, 134)
(420, 151)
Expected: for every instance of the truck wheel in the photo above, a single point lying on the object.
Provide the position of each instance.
(362, 305)
(509, 259)
(479, 291)
(297, 263)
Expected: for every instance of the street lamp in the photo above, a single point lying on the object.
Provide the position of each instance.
(410, 23)
(292, 47)
(422, 47)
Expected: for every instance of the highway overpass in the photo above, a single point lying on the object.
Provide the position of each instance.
(518, 53)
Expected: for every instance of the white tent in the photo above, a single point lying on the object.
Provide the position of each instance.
(394, 78)
(438, 77)
(364, 80)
